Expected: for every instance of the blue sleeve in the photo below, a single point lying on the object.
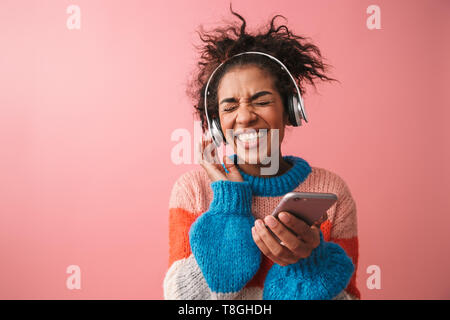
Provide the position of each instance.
(221, 239)
(321, 276)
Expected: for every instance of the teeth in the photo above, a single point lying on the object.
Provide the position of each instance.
(245, 137)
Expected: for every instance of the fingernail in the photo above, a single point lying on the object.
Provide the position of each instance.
(271, 221)
(259, 224)
(283, 217)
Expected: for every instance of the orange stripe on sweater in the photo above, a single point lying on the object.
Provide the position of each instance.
(325, 227)
(260, 276)
(180, 222)
(351, 248)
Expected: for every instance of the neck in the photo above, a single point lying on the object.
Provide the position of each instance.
(255, 169)
(291, 172)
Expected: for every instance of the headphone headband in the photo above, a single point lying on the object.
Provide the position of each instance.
(298, 115)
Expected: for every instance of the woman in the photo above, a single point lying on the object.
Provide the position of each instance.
(223, 238)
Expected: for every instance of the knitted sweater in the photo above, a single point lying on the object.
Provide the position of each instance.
(212, 254)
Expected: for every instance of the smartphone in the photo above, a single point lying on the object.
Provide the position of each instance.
(307, 206)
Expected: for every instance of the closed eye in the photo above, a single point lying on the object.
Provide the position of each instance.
(229, 108)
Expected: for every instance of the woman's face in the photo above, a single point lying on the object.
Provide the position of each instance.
(251, 113)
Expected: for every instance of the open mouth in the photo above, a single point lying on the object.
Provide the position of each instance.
(250, 139)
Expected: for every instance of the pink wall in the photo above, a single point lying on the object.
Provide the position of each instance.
(86, 118)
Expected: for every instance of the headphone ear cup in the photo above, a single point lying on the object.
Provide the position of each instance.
(291, 105)
(301, 109)
(216, 132)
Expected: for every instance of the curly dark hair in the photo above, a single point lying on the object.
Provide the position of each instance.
(302, 58)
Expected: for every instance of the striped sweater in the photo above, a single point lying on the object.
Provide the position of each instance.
(212, 254)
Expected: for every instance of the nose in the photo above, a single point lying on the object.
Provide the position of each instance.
(245, 115)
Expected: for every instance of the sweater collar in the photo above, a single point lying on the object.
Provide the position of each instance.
(279, 185)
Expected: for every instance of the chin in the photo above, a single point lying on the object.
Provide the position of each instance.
(257, 156)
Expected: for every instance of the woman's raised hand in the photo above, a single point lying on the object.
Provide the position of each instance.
(208, 159)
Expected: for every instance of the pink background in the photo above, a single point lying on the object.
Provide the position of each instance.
(86, 118)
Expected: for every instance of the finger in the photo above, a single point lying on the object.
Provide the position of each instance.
(214, 172)
(319, 222)
(275, 248)
(298, 226)
(202, 148)
(209, 150)
(199, 153)
(212, 146)
(316, 231)
(261, 244)
(290, 240)
(265, 251)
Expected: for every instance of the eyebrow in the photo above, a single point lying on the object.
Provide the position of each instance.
(253, 97)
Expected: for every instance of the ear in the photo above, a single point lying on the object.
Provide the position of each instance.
(286, 121)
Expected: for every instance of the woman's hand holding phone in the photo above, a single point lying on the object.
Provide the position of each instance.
(298, 239)
(209, 161)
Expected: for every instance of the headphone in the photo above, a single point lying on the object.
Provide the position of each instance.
(294, 103)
